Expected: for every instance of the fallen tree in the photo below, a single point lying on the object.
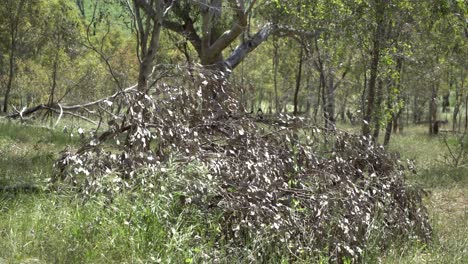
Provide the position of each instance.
(285, 185)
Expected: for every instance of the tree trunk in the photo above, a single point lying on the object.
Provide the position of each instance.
(392, 122)
(317, 101)
(323, 86)
(433, 110)
(343, 109)
(458, 101)
(309, 95)
(374, 69)
(298, 84)
(54, 79)
(388, 132)
(14, 23)
(148, 38)
(275, 75)
(363, 94)
(446, 101)
(407, 110)
(415, 109)
(456, 108)
(329, 109)
(466, 113)
(397, 120)
(147, 63)
(377, 114)
(369, 109)
(11, 74)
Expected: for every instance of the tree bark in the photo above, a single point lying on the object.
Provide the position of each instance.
(309, 95)
(388, 132)
(363, 94)
(369, 109)
(415, 109)
(392, 122)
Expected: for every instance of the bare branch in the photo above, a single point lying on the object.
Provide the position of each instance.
(66, 109)
(245, 48)
(241, 51)
(237, 28)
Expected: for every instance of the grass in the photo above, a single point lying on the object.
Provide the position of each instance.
(48, 228)
(26, 152)
(447, 200)
(52, 228)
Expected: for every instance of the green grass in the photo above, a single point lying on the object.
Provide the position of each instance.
(447, 199)
(27, 152)
(49, 228)
(427, 153)
(137, 228)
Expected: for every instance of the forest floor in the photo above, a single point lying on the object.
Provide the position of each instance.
(43, 227)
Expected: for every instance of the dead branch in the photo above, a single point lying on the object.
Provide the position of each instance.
(68, 109)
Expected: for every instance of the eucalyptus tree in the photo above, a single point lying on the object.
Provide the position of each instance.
(378, 11)
(212, 26)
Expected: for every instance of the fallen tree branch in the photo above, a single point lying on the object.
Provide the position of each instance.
(68, 109)
(61, 112)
